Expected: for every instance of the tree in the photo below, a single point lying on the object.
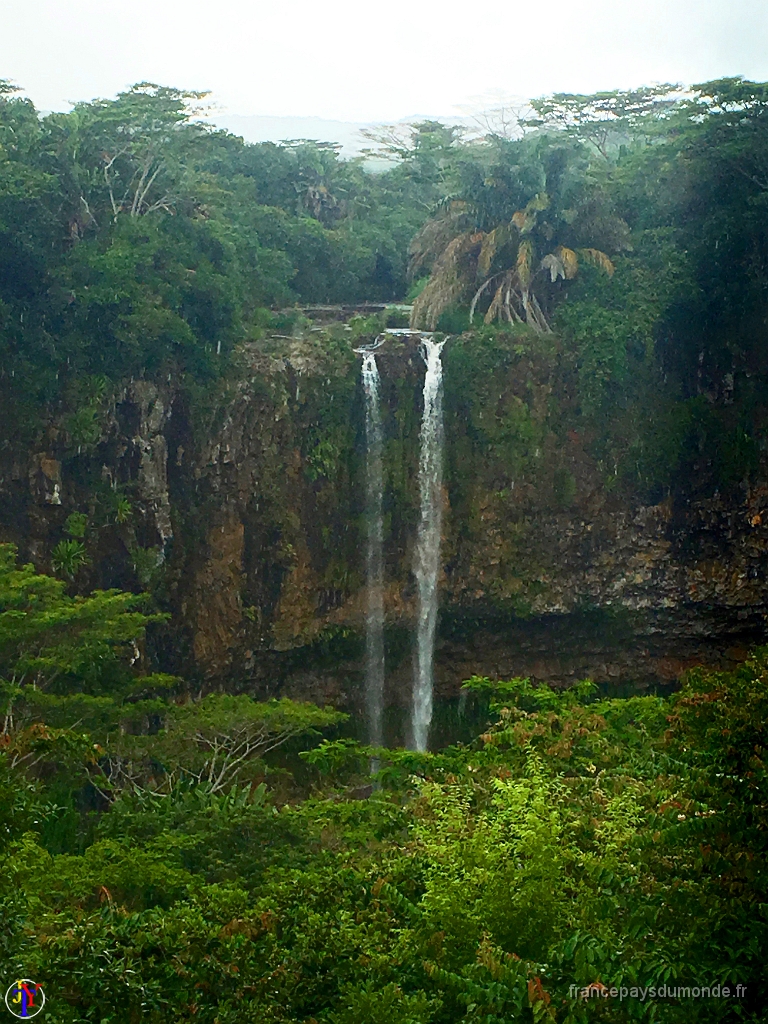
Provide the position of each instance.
(64, 661)
(427, 148)
(480, 247)
(47, 636)
(213, 742)
(604, 120)
(138, 145)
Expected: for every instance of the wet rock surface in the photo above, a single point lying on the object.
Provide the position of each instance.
(256, 508)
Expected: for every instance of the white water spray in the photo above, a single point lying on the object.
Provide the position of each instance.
(428, 541)
(374, 616)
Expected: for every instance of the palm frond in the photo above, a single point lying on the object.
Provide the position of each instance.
(554, 265)
(494, 309)
(487, 252)
(451, 275)
(539, 202)
(525, 220)
(570, 261)
(454, 218)
(598, 259)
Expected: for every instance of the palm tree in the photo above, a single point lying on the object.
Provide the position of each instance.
(517, 263)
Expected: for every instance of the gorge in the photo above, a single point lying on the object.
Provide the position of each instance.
(268, 516)
(600, 511)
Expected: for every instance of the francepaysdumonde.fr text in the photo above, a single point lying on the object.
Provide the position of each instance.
(600, 991)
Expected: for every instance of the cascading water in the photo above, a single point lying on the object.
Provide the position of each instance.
(428, 539)
(374, 618)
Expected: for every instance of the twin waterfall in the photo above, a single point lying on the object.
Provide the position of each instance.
(427, 562)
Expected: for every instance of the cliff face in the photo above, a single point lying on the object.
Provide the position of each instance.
(246, 521)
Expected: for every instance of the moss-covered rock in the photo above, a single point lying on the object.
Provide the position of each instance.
(254, 494)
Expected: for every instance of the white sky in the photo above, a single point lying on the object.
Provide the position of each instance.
(364, 61)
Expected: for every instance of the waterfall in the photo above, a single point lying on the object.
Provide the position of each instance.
(428, 540)
(374, 617)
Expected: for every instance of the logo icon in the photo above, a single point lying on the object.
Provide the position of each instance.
(25, 998)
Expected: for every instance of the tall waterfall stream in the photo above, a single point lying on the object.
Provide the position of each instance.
(374, 616)
(427, 565)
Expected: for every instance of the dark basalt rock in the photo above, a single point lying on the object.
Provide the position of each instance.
(255, 505)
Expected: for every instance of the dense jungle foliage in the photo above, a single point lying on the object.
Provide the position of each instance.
(169, 854)
(579, 840)
(137, 241)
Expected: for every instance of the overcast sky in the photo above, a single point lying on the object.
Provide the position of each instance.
(360, 61)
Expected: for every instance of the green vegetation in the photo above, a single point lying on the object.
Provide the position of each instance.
(139, 242)
(628, 224)
(158, 865)
(166, 853)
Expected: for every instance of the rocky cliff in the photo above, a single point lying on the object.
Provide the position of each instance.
(241, 509)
